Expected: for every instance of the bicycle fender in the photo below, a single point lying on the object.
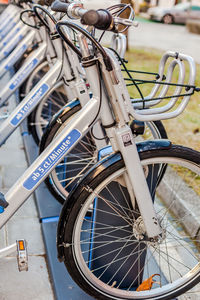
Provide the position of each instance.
(87, 179)
(153, 145)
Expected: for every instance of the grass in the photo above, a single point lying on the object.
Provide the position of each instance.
(184, 129)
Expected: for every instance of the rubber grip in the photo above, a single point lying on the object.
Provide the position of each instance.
(59, 6)
(100, 19)
(45, 2)
(25, 1)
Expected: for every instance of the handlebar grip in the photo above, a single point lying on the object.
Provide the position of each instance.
(25, 1)
(100, 19)
(59, 6)
(45, 2)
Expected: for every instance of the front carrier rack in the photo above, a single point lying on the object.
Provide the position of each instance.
(176, 93)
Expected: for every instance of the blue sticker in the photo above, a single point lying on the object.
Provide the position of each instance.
(30, 104)
(46, 166)
(9, 49)
(13, 60)
(23, 74)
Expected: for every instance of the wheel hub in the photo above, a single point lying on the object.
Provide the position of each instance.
(139, 232)
(139, 229)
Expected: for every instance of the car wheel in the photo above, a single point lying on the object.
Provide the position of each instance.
(168, 19)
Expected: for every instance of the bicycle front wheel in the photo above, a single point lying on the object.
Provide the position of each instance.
(105, 247)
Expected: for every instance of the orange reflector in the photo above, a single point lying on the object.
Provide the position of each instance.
(21, 245)
(147, 284)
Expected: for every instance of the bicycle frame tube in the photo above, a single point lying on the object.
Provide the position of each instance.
(35, 58)
(9, 12)
(7, 25)
(26, 106)
(53, 154)
(18, 36)
(11, 35)
(49, 158)
(16, 54)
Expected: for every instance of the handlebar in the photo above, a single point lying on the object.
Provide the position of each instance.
(101, 19)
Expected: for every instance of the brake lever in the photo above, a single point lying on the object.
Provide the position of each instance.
(125, 22)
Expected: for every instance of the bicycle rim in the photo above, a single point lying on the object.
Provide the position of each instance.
(47, 108)
(111, 252)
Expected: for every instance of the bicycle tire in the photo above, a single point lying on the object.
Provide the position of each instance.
(45, 110)
(56, 125)
(54, 184)
(79, 231)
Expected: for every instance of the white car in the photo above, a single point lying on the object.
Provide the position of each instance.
(179, 13)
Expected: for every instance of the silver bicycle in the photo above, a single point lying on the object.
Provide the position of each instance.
(121, 226)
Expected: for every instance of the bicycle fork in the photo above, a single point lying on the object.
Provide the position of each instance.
(137, 181)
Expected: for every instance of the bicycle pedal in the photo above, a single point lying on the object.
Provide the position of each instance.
(22, 255)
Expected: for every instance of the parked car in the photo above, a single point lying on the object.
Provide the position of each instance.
(179, 13)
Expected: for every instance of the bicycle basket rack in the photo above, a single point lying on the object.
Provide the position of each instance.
(167, 98)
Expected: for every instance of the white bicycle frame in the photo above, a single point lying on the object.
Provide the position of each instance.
(8, 12)
(8, 23)
(77, 128)
(17, 53)
(118, 108)
(76, 87)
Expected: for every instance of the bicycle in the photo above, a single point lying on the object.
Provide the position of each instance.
(102, 236)
(85, 154)
(45, 109)
(41, 95)
(117, 168)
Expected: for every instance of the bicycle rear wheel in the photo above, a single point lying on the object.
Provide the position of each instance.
(102, 240)
(51, 104)
(45, 110)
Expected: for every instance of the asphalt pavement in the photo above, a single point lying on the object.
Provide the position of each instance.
(165, 37)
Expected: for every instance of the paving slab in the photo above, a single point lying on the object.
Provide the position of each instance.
(34, 284)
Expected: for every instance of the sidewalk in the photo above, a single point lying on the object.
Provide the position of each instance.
(35, 283)
(164, 37)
